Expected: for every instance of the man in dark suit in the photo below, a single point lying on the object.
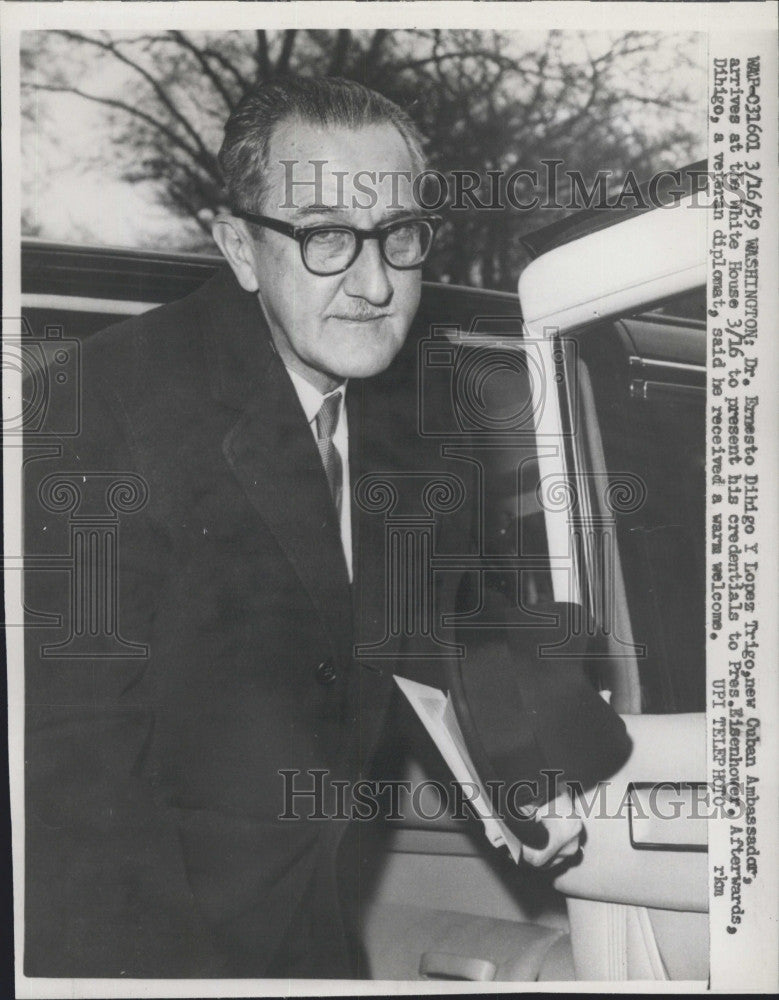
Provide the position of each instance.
(241, 418)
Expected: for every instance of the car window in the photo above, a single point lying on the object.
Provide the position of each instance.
(488, 382)
(648, 418)
(688, 305)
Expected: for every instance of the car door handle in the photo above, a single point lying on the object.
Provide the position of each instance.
(442, 965)
(668, 815)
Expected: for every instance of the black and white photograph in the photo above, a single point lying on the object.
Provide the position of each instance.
(389, 432)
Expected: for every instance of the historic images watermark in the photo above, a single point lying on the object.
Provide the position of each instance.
(82, 507)
(520, 190)
(314, 794)
(50, 369)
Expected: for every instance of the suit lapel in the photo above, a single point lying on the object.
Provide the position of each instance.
(273, 455)
(367, 527)
(372, 683)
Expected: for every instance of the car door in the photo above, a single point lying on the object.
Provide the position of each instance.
(631, 299)
(613, 330)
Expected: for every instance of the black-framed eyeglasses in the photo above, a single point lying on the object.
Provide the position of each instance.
(329, 249)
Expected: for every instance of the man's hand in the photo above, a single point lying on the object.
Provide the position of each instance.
(564, 827)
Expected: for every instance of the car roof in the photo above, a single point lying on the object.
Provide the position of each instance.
(159, 276)
(592, 220)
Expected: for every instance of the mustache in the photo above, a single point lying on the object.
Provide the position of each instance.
(362, 315)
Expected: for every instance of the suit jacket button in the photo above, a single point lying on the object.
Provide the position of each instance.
(325, 672)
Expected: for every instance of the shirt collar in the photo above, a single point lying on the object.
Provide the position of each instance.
(311, 399)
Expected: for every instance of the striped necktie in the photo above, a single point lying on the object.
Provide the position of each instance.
(326, 423)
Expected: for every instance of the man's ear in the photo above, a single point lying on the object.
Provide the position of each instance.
(237, 248)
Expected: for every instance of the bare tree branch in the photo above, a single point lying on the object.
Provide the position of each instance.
(229, 67)
(112, 102)
(338, 58)
(377, 42)
(175, 113)
(205, 66)
(261, 55)
(208, 52)
(282, 63)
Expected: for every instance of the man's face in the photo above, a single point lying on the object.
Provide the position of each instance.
(346, 325)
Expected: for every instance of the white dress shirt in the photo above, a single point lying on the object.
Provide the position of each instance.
(311, 400)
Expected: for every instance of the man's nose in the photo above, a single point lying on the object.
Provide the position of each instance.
(368, 277)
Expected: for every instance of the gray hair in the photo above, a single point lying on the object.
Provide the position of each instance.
(243, 158)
